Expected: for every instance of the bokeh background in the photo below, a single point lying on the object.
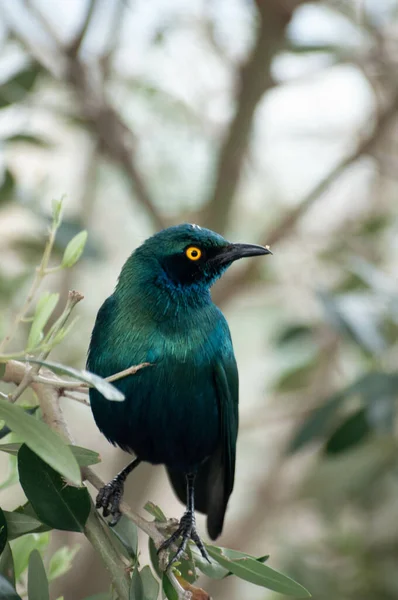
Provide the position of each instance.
(270, 121)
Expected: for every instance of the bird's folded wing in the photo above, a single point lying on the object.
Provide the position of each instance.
(222, 464)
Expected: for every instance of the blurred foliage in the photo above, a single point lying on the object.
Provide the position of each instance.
(165, 142)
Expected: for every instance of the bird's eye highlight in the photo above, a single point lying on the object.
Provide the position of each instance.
(193, 253)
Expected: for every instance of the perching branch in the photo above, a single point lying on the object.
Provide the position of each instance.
(232, 283)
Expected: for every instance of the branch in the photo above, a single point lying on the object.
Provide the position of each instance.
(74, 46)
(232, 284)
(113, 135)
(254, 80)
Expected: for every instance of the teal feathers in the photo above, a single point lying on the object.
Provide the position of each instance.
(182, 410)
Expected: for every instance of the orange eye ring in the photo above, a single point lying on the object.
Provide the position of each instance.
(193, 253)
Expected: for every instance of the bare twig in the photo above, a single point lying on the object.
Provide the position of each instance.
(232, 283)
(41, 272)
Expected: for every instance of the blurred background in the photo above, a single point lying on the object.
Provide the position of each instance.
(270, 121)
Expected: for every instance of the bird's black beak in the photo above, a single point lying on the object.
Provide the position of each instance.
(236, 251)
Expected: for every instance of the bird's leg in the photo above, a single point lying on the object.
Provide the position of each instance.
(110, 496)
(187, 527)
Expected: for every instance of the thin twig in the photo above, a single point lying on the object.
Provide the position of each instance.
(39, 276)
(130, 371)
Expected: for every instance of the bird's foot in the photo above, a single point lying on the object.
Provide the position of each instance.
(109, 498)
(186, 531)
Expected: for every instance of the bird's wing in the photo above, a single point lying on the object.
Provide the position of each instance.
(222, 464)
(215, 477)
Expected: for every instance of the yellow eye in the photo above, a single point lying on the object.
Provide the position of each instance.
(193, 253)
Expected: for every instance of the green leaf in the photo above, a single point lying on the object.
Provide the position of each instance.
(250, 569)
(7, 592)
(19, 524)
(10, 448)
(57, 206)
(23, 546)
(6, 430)
(103, 596)
(44, 309)
(155, 511)
(109, 391)
(153, 555)
(127, 533)
(149, 583)
(353, 431)
(16, 88)
(7, 564)
(3, 531)
(37, 578)
(27, 510)
(42, 440)
(12, 477)
(58, 505)
(168, 589)
(213, 569)
(61, 561)
(27, 138)
(294, 333)
(136, 587)
(74, 249)
(317, 424)
(296, 377)
(84, 457)
(7, 187)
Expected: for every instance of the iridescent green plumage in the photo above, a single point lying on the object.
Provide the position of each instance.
(182, 410)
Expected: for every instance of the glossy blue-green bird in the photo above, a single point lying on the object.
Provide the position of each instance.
(182, 409)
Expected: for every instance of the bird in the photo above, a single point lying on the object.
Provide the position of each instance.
(181, 410)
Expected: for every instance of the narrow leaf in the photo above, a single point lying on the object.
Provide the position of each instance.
(109, 391)
(44, 309)
(155, 511)
(7, 569)
(61, 561)
(149, 583)
(42, 440)
(27, 138)
(153, 555)
(74, 249)
(352, 431)
(168, 589)
(22, 548)
(84, 457)
(127, 533)
(136, 587)
(19, 524)
(4, 535)
(7, 592)
(37, 578)
(250, 569)
(58, 505)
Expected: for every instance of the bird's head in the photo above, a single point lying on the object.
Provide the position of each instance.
(187, 255)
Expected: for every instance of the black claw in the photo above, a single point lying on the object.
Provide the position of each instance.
(186, 531)
(109, 498)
